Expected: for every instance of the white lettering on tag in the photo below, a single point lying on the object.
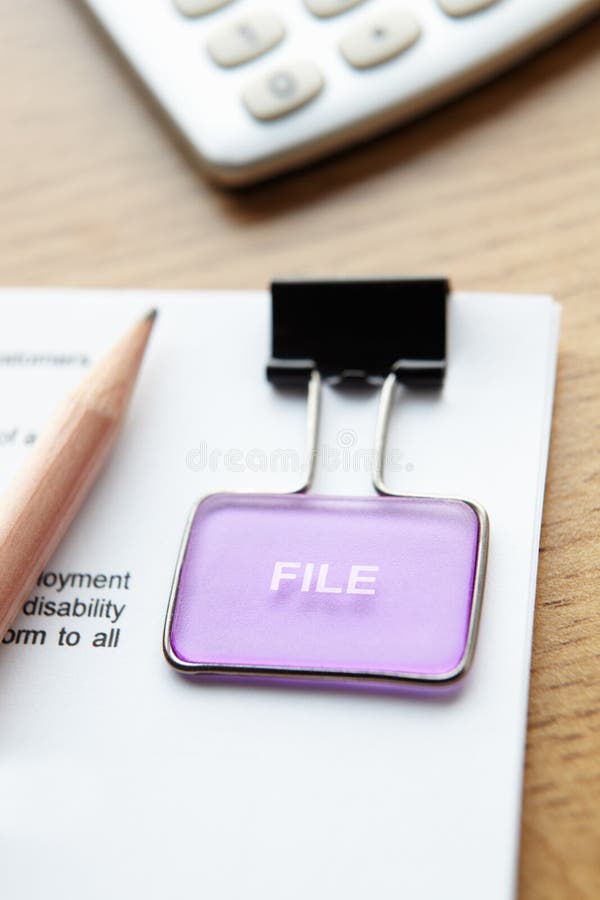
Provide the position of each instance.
(358, 577)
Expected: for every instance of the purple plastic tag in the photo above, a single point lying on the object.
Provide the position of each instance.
(333, 587)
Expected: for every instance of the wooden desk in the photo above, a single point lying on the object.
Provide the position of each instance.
(501, 190)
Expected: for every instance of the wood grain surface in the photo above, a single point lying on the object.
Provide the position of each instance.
(500, 190)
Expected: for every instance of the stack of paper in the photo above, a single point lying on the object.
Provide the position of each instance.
(121, 778)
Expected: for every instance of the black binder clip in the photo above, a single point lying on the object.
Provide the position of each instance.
(363, 331)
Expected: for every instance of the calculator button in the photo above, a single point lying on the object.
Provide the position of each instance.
(464, 7)
(380, 39)
(283, 90)
(326, 8)
(242, 41)
(199, 7)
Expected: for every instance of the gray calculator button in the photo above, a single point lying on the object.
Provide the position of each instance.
(239, 42)
(464, 7)
(199, 7)
(381, 38)
(327, 8)
(283, 90)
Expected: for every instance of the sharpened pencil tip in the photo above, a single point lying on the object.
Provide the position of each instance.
(151, 315)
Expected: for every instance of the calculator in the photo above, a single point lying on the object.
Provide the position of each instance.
(260, 86)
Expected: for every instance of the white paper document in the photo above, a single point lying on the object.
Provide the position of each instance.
(121, 778)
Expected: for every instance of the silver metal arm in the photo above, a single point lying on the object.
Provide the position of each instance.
(313, 415)
(384, 411)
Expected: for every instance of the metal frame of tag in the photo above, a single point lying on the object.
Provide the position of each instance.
(304, 354)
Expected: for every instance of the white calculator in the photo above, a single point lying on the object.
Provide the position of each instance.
(260, 86)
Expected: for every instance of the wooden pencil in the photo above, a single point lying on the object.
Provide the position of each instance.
(64, 462)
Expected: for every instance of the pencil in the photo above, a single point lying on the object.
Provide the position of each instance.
(64, 462)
